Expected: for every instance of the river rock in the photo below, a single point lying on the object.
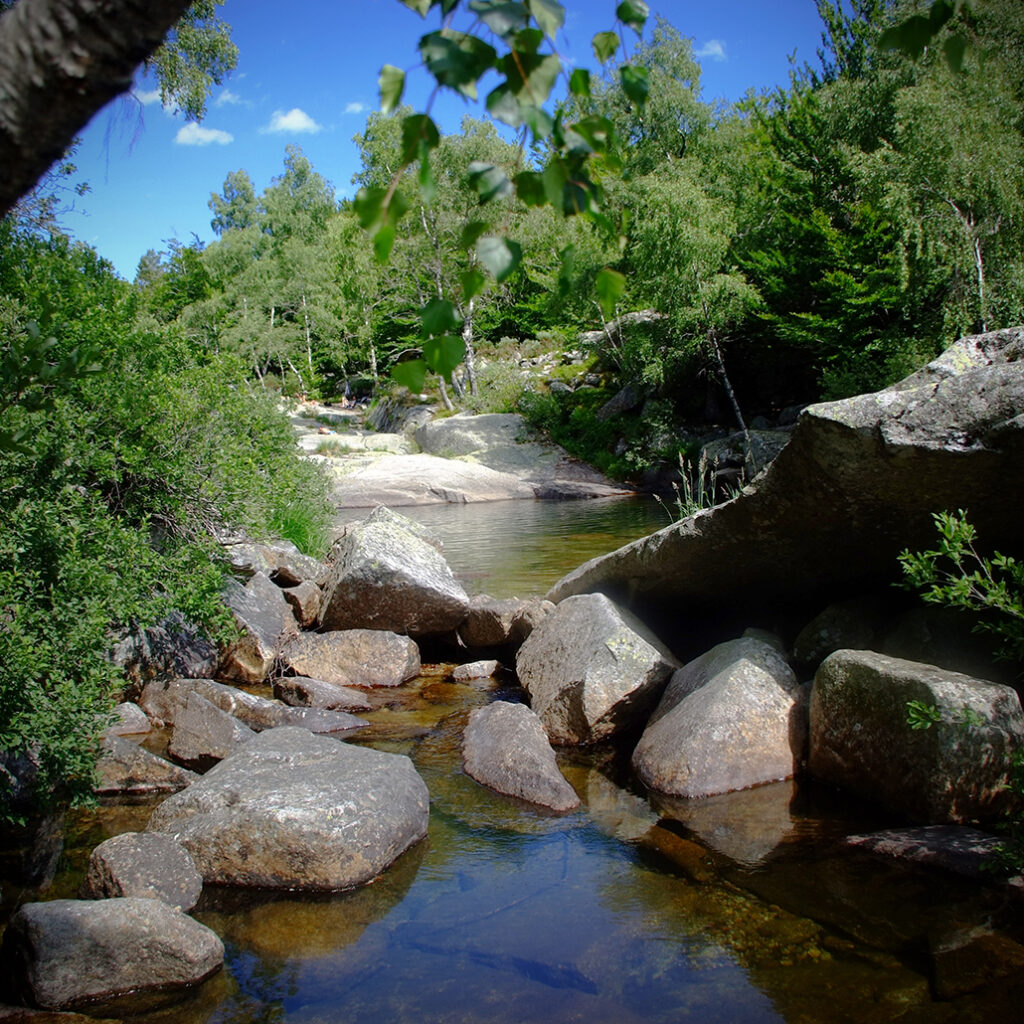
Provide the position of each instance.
(954, 771)
(353, 657)
(130, 720)
(494, 622)
(264, 616)
(281, 561)
(171, 648)
(69, 954)
(956, 848)
(165, 700)
(855, 624)
(304, 692)
(203, 734)
(125, 768)
(291, 810)
(305, 599)
(505, 748)
(591, 669)
(856, 485)
(385, 577)
(143, 864)
(725, 722)
(475, 670)
(966, 959)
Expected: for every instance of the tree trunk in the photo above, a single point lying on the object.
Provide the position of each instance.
(467, 337)
(309, 345)
(61, 61)
(444, 394)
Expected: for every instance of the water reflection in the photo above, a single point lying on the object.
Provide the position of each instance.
(522, 548)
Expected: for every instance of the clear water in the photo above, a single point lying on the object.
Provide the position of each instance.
(743, 908)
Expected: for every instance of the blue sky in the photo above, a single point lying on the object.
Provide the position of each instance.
(307, 75)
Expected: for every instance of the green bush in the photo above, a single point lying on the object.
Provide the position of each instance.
(112, 499)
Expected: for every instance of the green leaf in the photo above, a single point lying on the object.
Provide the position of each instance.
(530, 188)
(472, 282)
(421, 7)
(412, 373)
(555, 177)
(911, 36)
(428, 186)
(500, 256)
(417, 129)
(579, 82)
(596, 131)
(528, 40)
(383, 240)
(457, 60)
(392, 85)
(503, 105)
(471, 232)
(610, 285)
(369, 207)
(438, 317)
(531, 76)
(503, 18)
(635, 83)
(538, 121)
(954, 48)
(941, 11)
(489, 181)
(444, 354)
(633, 13)
(605, 44)
(549, 14)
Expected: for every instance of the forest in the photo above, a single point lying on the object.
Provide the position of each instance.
(807, 244)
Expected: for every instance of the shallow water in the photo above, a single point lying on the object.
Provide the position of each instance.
(742, 908)
(522, 548)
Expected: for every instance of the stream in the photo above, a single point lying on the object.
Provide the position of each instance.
(743, 908)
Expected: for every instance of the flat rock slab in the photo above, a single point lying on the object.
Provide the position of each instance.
(167, 699)
(401, 480)
(143, 864)
(592, 669)
(725, 722)
(71, 954)
(506, 749)
(353, 657)
(125, 768)
(384, 576)
(291, 810)
(305, 692)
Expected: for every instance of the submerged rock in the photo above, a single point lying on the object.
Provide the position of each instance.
(291, 810)
(506, 749)
(953, 771)
(70, 954)
(592, 669)
(385, 577)
(143, 864)
(725, 722)
(304, 692)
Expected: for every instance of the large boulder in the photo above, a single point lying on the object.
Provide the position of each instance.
(857, 484)
(592, 669)
(143, 864)
(953, 771)
(203, 734)
(505, 748)
(385, 577)
(126, 769)
(165, 701)
(291, 810)
(725, 722)
(353, 657)
(494, 622)
(69, 954)
(266, 621)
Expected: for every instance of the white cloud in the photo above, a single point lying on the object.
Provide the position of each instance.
(147, 96)
(226, 98)
(355, 108)
(295, 122)
(713, 49)
(192, 134)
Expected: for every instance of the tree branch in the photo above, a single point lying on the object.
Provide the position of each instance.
(61, 61)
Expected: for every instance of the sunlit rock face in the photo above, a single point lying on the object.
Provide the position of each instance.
(591, 670)
(291, 810)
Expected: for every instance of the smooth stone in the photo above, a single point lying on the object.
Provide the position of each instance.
(353, 657)
(125, 768)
